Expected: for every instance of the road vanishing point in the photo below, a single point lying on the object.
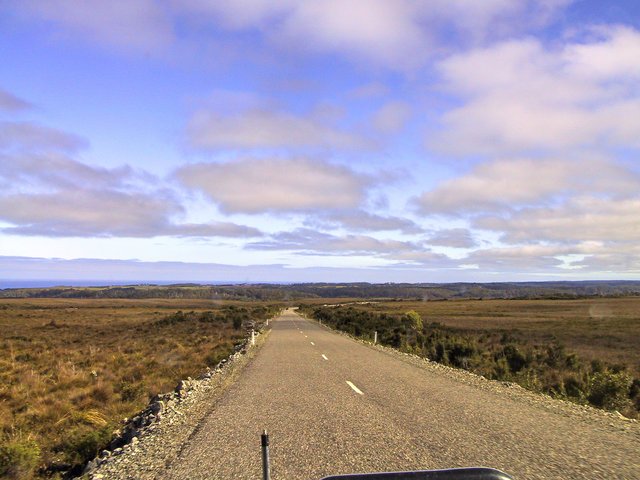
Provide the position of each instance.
(333, 405)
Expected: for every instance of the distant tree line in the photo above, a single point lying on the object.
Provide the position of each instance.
(399, 291)
(500, 356)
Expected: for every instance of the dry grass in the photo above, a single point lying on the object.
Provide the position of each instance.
(606, 329)
(70, 370)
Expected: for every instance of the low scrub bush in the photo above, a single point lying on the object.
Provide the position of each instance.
(19, 457)
(610, 390)
(83, 443)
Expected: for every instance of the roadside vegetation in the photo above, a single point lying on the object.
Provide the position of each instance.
(510, 349)
(72, 370)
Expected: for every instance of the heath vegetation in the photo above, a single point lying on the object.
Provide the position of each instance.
(71, 370)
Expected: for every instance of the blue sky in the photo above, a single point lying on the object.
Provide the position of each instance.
(334, 140)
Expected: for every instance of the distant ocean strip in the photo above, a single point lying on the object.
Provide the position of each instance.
(92, 283)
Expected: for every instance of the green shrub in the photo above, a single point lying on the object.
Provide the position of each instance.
(460, 351)
(441, 353)
(515, 358)
(597, 365)
(415, 320)
(572, 361)
(610, 390)
(217, 354)
(18, 458)
(574, 387)
(556, 355)
(83, 444)
(130, 391)
(207, 317)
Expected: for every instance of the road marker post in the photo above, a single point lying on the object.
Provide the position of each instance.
(266, 471)
(375, 337)
(253, 337)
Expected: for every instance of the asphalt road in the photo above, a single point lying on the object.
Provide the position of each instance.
(333, 405)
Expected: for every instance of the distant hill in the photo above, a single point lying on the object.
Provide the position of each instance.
(421, 291)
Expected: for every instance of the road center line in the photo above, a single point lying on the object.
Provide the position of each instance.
(324, 356)
(355, 389)
(313, 344)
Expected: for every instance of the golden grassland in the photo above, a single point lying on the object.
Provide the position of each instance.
(605, 329)
(71, 370)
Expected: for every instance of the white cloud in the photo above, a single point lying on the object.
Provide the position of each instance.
(142, 26)
(376, 30)
(45, 192)
(612, 260)
(238, 14)
(369, 90)
(31, 136)
(312, 242)
(506, 184)
(519, 96)
(362, 221)
(537, 258)
(401, 254)
(79, 201)
(108, 271)
(497, 18)
(400, 35)
(392, 117)
(422, 257)
(614, 58)
(261, 128)
(27, 171)
(453, 237)
(273, 185)
(581, 219)
(10, 103)
(86, 213)
(582, 258)
(210, 229)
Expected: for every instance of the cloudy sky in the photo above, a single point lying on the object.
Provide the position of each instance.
(320, 140)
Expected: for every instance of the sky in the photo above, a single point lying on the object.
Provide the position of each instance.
(319, 140)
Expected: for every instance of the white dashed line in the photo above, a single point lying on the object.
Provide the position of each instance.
(324, 356)
(313, 344)
(355, 389)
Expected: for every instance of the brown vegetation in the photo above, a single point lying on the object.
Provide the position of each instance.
(594, 328)
(71, 370)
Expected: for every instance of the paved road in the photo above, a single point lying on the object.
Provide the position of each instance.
(333, 405)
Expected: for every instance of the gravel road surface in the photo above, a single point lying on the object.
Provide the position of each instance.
(334, 405)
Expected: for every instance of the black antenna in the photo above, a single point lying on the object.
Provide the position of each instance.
(266, 473)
